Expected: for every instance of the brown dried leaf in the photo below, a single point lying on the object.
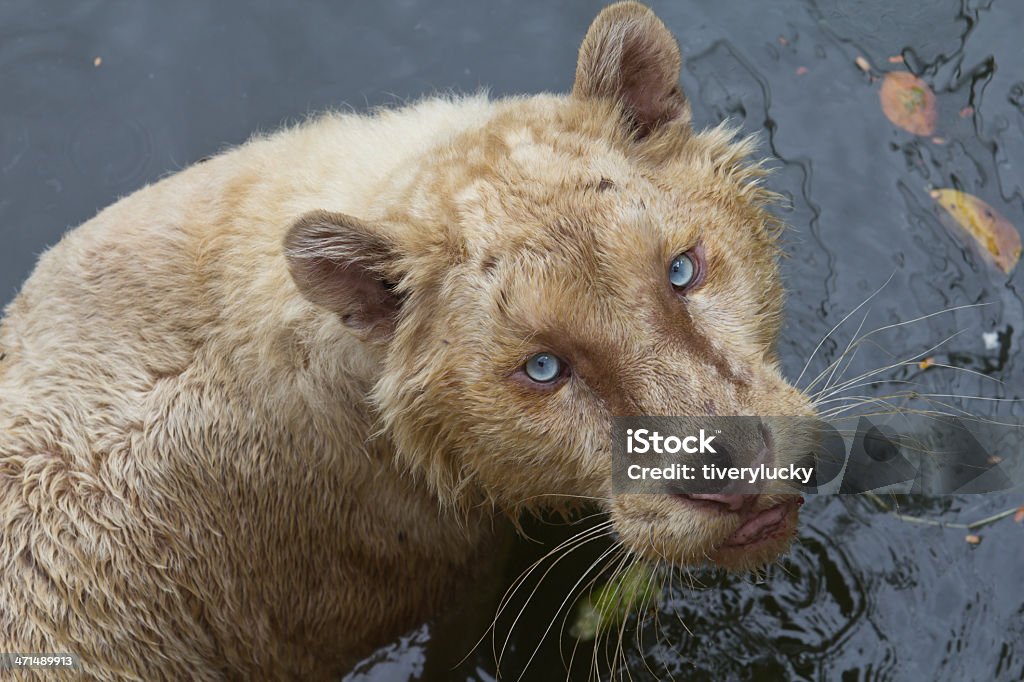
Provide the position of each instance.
(908, 102)
(991, 230)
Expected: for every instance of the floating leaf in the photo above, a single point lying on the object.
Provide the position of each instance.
(862, 64)
(926, 363)
(1019, 516)
(973, 539)
(994, 232)
(634, 589)
(908, 102)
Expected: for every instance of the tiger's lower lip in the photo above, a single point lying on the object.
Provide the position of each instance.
(763, 525)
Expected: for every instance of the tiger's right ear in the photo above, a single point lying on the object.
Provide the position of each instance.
(344, 265)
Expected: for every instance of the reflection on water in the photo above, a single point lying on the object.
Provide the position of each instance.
(756, 623)
(863, 595)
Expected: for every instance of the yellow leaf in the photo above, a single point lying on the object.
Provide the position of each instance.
(992, 231)
(908, 102)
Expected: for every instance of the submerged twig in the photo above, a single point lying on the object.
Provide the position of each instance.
(974, 525)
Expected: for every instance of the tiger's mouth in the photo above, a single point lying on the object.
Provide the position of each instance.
(735, 532)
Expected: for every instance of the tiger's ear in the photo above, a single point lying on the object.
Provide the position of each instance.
(629, 55)
(342, 264)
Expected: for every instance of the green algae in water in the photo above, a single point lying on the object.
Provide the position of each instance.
(635, 589)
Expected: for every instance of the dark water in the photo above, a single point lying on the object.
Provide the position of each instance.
(863, 595)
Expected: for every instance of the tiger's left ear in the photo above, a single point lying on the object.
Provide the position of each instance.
(629, 55)
(342, 264)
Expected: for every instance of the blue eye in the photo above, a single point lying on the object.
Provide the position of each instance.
(543, 368)
(681, 271)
